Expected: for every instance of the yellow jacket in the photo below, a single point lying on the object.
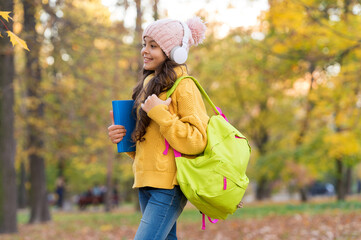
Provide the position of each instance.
(183, 123)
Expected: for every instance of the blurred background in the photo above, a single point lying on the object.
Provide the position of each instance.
(285, 72)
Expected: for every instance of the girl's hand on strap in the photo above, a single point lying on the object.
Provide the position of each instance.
(153, 101)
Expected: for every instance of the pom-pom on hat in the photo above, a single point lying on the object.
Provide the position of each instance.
(168, 33)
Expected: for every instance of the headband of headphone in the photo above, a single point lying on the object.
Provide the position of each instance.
(179, 54)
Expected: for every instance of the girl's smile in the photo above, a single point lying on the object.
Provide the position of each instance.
(153, 55)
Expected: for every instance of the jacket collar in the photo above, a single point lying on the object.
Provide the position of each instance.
(181, 71)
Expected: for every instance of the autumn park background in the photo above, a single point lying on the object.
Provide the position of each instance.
(291, 83)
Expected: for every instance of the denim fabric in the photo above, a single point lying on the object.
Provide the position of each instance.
(160, 209)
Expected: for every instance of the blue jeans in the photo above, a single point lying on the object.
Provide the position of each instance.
(160, 209)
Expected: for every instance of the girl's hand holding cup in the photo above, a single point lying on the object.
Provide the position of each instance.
(116, 132)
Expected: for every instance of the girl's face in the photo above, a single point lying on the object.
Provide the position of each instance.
(152, 54)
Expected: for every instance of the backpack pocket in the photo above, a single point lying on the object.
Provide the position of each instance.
(227, 170)
(204, 203)
(226, 191)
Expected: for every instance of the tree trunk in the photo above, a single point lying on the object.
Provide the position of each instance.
(38, 195)
(108, 203)
(348, 180)
(340, 183)
(346, 9)
(61, 167)
(138, 34)
(303, 194)
(22, 200)
(155, 10)
(263, 190)
(305, 125)
(8, 203)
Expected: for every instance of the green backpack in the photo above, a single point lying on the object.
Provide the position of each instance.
(215, 181)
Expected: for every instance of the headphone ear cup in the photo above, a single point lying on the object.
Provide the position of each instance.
(179, 55)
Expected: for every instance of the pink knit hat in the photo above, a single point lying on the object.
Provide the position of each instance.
(169, 33)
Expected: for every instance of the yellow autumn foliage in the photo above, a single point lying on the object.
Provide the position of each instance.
(5, 15)
(14, 39)
(342, 144)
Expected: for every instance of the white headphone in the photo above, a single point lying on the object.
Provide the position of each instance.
(179, 54)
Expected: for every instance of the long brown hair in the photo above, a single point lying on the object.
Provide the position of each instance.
(162, 81)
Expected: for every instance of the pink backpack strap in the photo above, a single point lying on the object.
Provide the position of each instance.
(221, 113)
(204, 221)
(176, 153)
(224, 116)
(166, 147)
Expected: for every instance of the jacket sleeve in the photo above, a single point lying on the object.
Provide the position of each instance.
(185, 131)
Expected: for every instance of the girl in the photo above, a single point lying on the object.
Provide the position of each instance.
(180, 121)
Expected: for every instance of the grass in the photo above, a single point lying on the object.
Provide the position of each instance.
(95, 224)
(92, 218)
(126, 215)
(291, 209)
(260, 210)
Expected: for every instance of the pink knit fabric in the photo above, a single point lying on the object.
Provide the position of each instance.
(168, 33)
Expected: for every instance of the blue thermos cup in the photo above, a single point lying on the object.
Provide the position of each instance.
(123, 115)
